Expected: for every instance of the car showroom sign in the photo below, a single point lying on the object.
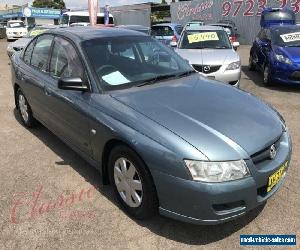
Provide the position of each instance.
(42, 13)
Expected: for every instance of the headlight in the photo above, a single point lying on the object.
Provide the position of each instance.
(234, 65)
(208, 171)
(283, 59)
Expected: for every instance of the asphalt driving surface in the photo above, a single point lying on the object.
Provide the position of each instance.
(50, 198)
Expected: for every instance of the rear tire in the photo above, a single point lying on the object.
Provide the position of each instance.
(251, 65)
(132, 183)
(24, 110)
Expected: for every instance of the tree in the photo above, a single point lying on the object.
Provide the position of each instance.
(55, 4)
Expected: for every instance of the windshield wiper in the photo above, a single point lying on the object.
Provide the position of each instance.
(163, 77)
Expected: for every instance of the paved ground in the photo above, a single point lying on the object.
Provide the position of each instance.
(47, 199)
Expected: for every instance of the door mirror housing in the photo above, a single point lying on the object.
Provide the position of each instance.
(72, 83)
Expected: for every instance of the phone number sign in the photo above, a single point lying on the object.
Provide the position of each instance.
(255, 7)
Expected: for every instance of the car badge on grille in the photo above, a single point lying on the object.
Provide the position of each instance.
(206, 68)
(273, 151)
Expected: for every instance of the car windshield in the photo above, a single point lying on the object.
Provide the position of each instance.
(205, 39)
(162, 31)
(286, 38)
(129, 61)
(15, 25)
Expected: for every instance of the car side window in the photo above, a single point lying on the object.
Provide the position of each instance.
(28, 53)
(41, 52)
(65, 61)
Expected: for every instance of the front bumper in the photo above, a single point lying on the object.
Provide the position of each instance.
(214, 203)
(285, 74)
(231, 77)
(14, 37)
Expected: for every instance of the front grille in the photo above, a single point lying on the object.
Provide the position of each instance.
(264, 154)
(295, 76)
(206, 69)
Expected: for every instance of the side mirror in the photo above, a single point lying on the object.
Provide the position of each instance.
(235, 45)
(70, 83)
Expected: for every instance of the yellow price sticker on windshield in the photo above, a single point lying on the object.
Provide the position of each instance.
(202, 37)
(36, 32)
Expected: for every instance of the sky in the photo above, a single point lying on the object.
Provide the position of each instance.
(83, 3)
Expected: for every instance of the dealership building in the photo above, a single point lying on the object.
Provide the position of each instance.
(30, 15)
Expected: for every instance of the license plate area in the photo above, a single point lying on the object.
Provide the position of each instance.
(276, 177)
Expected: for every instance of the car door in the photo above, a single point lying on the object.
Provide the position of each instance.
(69, 109)
(33, 74)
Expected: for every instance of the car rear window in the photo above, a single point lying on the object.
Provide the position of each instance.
(162, 31)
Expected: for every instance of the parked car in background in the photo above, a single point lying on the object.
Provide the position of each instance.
(230, 22)
(15, 29)
(194, 23)
(276, 53)
(79, 24)
(164, 137)
(231, 31)
(70, 17)
(139, 28)
(209, 51)
(22, 42)
(277, 16)
(167, 33)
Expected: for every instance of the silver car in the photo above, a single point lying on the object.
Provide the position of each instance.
(209, 51)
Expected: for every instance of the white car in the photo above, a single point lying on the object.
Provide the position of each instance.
(15, 29)
(209, 51)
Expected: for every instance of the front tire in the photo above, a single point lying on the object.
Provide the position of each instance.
(267, 75)
(251, 65)
(132, 183)
(24, 110)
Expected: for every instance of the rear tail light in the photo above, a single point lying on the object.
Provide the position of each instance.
(174, 39)
(233, 39)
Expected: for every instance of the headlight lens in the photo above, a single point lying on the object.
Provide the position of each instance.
(283, 59)
(208, 171)
(234, 65)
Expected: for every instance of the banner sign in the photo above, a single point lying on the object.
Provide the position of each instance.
(42, 13)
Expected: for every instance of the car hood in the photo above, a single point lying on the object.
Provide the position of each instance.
(293, 53)
(213, 117)
(20, 43)
(209, 56)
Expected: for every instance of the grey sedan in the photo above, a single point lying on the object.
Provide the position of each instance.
(165, 138)
(209, 51)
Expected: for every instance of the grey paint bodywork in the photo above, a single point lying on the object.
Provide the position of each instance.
(186, 118)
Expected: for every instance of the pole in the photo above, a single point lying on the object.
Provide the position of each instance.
(93, 10)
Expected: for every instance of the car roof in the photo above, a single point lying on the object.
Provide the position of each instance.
(222, 25)
(132, 26)
(15, 21)
(204, 27)
(88, 32)
(283, 27)
(167, 24)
